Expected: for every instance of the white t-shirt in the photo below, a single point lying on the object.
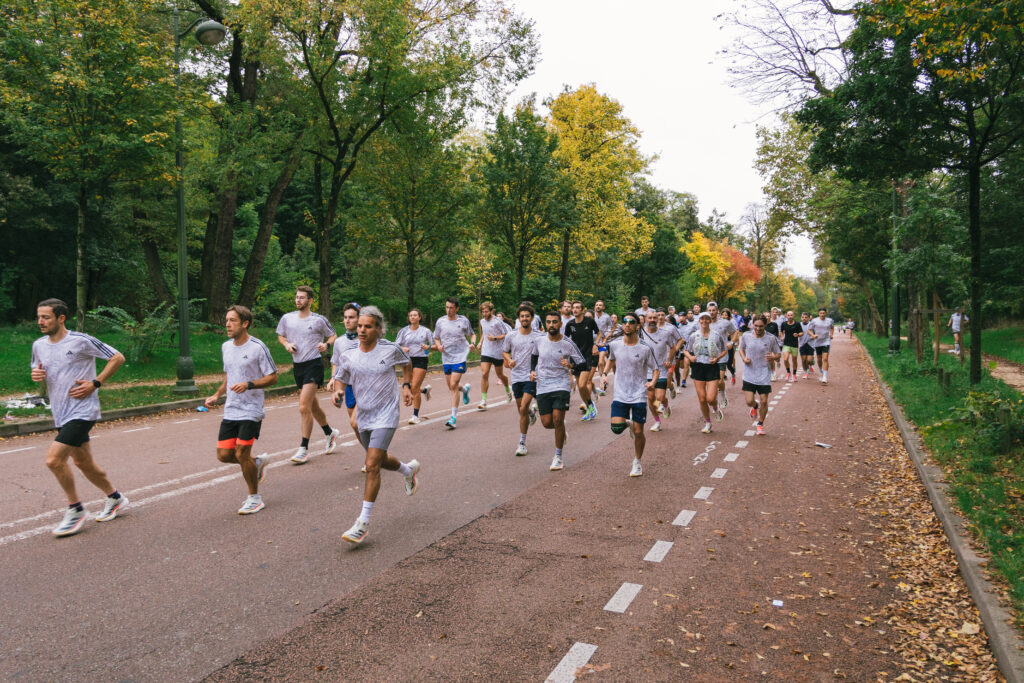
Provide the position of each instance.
(453, 336)
(822, 328)
(724, 327)
(604, 323)
(371, 374)
(956, 320)
(306, 333)
(344, 342)
(634, 365)
(755, 348)
(246, 363)
(72, 358)
(660, 341)
(551, 374)
(493, 327)
(520, 346)
(414, 340)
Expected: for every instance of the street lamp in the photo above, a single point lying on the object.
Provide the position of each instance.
(207, 32)
(894, 334)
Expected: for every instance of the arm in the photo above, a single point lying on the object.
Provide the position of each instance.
(288, 346)
(261, 383)
(407, 383)
(212, 399)
(84, 387)
(329, 341)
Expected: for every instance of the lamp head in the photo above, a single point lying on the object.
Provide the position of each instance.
(210, 32)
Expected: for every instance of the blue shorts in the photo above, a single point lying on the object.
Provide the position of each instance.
(350, 397)
(454, 367)
(520, 388)
(602, 349)
(637, 410)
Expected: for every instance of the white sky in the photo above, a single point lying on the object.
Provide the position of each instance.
(658, 59)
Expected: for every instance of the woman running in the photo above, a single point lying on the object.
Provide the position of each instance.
(416, 341)
(704, 350)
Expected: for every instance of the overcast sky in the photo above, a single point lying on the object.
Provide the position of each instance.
(659, 59)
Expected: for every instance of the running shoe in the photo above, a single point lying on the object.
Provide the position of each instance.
(357, 533)
(587, 416)
(521, 449)
(111, 508)
(719, 414)
(363, 469)
(725, 400)
(822, 379)
(707, 428)
(261, 466)
(682, 385)
(636, 470)
(805, 375)
(533, 413)
(482, 405)
(657, 426)
(753, 411)
(71, 524)
(672, 390)
(426, 391)
(252, 505)
(332, 441)
(773, 376)
(583, 408)
(465, 394)
(411, 485)
(733, 379)
(600, 392)
(556, 463)
(508, 396)
(301, 456)
(415, 420)
(668, 409)
(760, 430)
(658, 408)
(450, 424)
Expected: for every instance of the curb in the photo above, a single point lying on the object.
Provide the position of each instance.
(1003, 638)
(36, 426)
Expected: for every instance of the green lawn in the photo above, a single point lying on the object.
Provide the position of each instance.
(981, 456)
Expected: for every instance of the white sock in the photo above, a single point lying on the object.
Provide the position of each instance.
(404, 469)
(522, 438)
(364, 516)
(454, 411)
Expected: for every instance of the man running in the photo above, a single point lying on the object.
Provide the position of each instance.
(806, 350)
(450, 334)
(517, 348)
(583, 332)
(249, 369)
(306, 335)
(756, 350)
(676, 338)
(820, 331)
(663, 343)
(492, 333)
(688, 326)
(645, 309)
(349, 340)
(566, 312)
(66, 361)
(370, 370)
(791, 331)
(956, 322)
(636, 374)
(550, 367)
(727, 330)
(604, 324)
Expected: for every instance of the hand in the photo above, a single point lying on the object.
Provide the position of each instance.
(440, 347)
(650, 385)
(407, 396)
(38, 373)
(405, 348)
(321, 347)
(211, 401)
(82, 388)
(746, 360)
(338, 396)
(533, 375)
(424, 346)
(240, 388)
(292, 348)
(565, 362)
(510, 363)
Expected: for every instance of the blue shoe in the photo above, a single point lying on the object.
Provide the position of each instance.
(450, 424)
(465, 394)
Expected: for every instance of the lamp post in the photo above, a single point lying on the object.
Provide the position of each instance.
(207, 32)
(894, 336)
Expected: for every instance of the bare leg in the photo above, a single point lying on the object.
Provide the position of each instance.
(701, 389)
(376, 460)
(309, 410)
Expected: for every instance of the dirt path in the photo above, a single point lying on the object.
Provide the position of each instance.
(1001, 368)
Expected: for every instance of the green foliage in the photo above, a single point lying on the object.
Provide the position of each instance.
(143, 335)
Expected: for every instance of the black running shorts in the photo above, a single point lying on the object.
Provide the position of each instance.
(74, 432)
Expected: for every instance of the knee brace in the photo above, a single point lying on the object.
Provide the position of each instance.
(618, 427)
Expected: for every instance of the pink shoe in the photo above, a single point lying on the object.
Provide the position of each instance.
(760, 430)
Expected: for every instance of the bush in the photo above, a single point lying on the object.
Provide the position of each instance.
(143, 335)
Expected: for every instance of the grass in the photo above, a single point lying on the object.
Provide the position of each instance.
(979, 450)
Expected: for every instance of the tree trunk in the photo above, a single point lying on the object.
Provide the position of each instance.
(220, 263)
(974, 229)
(410, 274)
(876, 320)
(81, 284)
(268, 216)
(156, 271)
(563, 284)
(938, 331)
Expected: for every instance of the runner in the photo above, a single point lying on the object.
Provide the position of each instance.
(249, 369)
(668, 323)
(756, 350)
(416, 340)
(820, 330)
(604, 324)
(688, 327)
(772, 328)
(306, 335)
(663, 342)
(730, 363)
(791, 332)
(727, 330)
(644, 310)
(350, 340)
(492, 333)
(550, 366)
(584, 333)
(636, 374)
(450, 333)
(517, 348)
(806, 350)
(956, 322)
(370, 370)
(566, 312)
(705, 348)
(66, 361)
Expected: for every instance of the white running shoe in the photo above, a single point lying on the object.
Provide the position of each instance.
(332, 441)
(659, 408)
(426, 391)
(301, 456)
(521, 449)
(465, 394)
(533, 413)
(482, 405)
(657, 426)
(668, 409)
(556, 463)
(773, 376)
(636, 470)
(71, 524)
(706, 429)
(252, 505)
(357, 533)
(719, 414)
(725, 399)
(112, 507)
(411, 485)
(261, 466)
(415, 420)
(822, 379)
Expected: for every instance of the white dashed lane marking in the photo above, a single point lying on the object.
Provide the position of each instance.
(623, 597)
(703, 493)
(749, 432)
(17, 450)
(741, 444)
(684, 518)
(719, 473)
(139, 429)
(658, 551)
(578, 655)
(731, 457)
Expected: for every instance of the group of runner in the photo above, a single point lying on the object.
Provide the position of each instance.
(547, 357)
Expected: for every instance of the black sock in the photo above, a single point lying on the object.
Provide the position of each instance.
(77, 507)
(115, 495)
(760, 424)
(327, 430)
(416, 412)
(305, 443)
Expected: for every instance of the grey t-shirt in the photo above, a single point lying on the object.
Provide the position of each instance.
(72, 358)
(705, 348)
(520, 346)
(493, 327)
(371, 374)
(604, 324)
(551, 374)
(453, 336)
(660, 341)
(724, 327)
(956, 321)
(305, 333)
(344, 342)
(414, 340)
(822, 328)
(756, 348)
(246, 363)
(634, 365)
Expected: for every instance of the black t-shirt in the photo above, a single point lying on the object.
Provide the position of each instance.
(791, 332)
(772, 328)
(583, 334)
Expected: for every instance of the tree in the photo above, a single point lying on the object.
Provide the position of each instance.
(740, 277)
(479, 278)
(708, 265)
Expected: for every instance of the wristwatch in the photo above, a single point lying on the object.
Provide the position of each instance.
(96, 383)
(251, 385)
